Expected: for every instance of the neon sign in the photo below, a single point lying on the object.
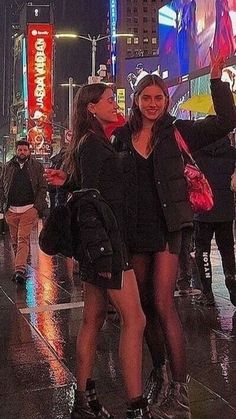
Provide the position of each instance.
(40, 84)
(113, 23)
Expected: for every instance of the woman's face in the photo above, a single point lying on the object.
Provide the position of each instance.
(151, 102)
(106, 109)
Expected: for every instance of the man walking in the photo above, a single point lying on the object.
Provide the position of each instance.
(22, 197)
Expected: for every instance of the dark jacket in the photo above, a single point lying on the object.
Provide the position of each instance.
(86, 229)
(100, 167)
(39, 184)
(168, 163)
(217, 162)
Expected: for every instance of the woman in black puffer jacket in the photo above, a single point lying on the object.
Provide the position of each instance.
(158, 210)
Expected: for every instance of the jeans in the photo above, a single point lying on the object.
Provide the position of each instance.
(20, 227)
(224, 237)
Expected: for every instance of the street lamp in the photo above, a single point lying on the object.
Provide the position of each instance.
(93, 40)
(71, 86)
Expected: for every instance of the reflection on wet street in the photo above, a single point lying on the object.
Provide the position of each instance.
(38, 327)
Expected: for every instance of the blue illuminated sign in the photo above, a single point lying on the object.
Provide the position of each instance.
(113, 24)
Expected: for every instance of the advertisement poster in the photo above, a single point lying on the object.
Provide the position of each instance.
(201, 85)
(179, 94)
(135, 69)
(40, 71)
(187, 28)
(18, 71)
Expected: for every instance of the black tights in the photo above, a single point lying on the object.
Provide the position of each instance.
(156, 276)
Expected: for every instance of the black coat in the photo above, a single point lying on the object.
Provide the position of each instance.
(168, 163)
(100, 168)
(86, 229)
(217, 161)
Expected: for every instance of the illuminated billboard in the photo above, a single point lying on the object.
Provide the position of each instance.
(40, 84)
(113, 24)
(187, 28)
(201, 85)
(135, 69)
(179, 94)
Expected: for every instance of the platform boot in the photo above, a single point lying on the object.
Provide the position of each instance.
(87, 405)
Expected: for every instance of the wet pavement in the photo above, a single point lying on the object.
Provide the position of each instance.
(38, 328)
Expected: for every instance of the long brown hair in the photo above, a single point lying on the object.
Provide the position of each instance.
(84, 122)
(135, 118)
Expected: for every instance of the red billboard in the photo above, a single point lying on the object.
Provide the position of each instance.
(40, 87)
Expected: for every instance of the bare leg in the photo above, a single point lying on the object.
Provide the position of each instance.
(128, 305)
(95, 302)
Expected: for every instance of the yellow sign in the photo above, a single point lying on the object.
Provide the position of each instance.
(121, 99)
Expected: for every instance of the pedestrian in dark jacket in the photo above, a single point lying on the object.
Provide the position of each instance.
(217, 161)
(57, 195)
(98, 166)
(23, 199)
(158, 211)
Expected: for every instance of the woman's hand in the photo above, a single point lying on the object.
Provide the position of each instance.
(55, 177)
(217, 64)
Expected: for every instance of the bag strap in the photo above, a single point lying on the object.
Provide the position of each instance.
(182, 145)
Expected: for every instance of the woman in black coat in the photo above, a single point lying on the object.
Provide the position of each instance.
(158, 210)
(97, 165)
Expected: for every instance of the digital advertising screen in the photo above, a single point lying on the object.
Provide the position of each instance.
(187, 28)
(201, 85)
(135, 69)
(40, 87)
(179, 94)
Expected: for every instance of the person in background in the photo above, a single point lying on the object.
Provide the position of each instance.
(96, 165)
(158, 210)
(57, 195)
(217, 162)
(22, 198)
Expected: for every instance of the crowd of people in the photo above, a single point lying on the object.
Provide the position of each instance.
(136, 225)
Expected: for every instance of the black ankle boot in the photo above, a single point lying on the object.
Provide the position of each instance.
(87, 406)
(154, 387)
(139, 409)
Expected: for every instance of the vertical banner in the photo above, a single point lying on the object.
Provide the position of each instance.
(40, 80)
(113, 24)
(18, 72)
(121, 99)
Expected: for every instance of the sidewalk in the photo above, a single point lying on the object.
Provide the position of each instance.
(38, 328)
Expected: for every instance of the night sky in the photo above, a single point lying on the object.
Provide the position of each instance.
(84, 17)
(80, 16)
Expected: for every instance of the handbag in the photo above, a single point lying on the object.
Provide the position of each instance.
(199, 190)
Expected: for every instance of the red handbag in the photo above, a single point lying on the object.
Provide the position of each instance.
(199, 190)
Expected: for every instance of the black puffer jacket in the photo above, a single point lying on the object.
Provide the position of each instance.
(168, 164)
(217, 161)
(86, 229)
(99, 237)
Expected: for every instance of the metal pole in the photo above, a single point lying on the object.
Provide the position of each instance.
(70, 102)
(94, 48)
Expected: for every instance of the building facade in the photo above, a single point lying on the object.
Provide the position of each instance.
(139, 18)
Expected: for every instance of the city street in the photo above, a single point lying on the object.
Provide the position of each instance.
(38, 327)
